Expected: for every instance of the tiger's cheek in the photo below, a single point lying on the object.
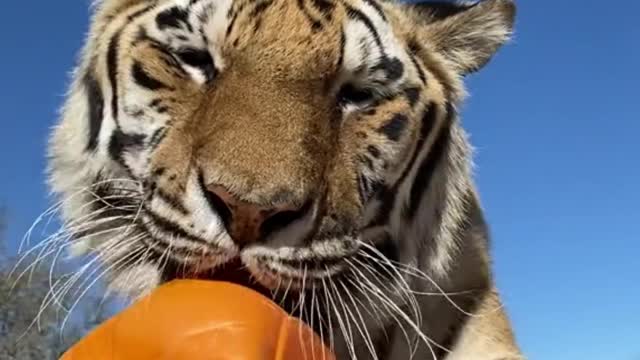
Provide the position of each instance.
(172, 163)
(372, 148)
(155, 100)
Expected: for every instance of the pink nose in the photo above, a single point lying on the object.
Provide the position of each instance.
(249, 223)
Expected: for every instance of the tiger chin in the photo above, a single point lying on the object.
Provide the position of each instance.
(309, 149)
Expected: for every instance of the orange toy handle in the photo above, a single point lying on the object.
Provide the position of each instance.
(201, 320)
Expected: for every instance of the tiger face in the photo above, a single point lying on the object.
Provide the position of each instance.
(275, 138)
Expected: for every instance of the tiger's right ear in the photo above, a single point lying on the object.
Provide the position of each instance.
(466, 34)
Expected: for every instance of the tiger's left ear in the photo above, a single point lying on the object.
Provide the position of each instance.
(466, 34)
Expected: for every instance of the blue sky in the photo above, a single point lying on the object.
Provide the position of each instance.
(556, 123)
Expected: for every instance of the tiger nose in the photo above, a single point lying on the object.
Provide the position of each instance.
(249, 223)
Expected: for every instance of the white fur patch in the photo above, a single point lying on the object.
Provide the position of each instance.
(136, 281)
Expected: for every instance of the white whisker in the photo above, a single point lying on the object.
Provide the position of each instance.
(366, 336)
(327, 296)
(341, 324)
(123, 259)
(348, 337)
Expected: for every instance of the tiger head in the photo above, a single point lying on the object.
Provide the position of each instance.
(280, 137)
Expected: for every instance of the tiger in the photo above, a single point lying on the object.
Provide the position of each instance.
(311, 150)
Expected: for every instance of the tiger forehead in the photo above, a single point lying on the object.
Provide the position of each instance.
(294, 36)
(284, 35)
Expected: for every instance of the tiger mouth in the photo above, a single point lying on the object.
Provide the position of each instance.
(232, 272)
(262, 278)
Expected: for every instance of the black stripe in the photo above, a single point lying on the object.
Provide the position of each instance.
(375, 186)
(426, 170)
(112, 70)
(257, 25)
(112, 61)
(377, 7)
(412, 94)
(141, 12)
(173, 17)
(387, 247)
(421, 74)
(121, 142)
(343, 42)
(387, 195)
(395, 127)
(351, 94)
(260, 8)
(356, 14)
(167, 56)
(95, 101)
(144, 79)
(440, 10)
(325, 7)
(427, 123)
(157, 137)
(374, 151)
(363, 190)
(171, 228)
(316, 25)
(174, 202)
(393, 68)
(200, 59)
(234, 16)
(368, 187)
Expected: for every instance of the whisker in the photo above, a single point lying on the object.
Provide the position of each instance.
(53, 294)
(126, 258)
(397, 310)
(112, 251)
(422, 275)
(366, 336)
(60, 235)
(346, 314)
(343, 329)
(111, 246)
(302, 311)
(312, 316)
(41, 256)
(405, 286)
(367, 288)
(56, 207)
(286, 291)
(315, 304)
(327, 296)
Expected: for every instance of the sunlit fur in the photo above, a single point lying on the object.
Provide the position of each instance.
(347, 109)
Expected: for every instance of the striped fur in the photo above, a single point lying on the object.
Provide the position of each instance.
(345, 109)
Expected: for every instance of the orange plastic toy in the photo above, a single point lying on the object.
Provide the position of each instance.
(201, 320)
